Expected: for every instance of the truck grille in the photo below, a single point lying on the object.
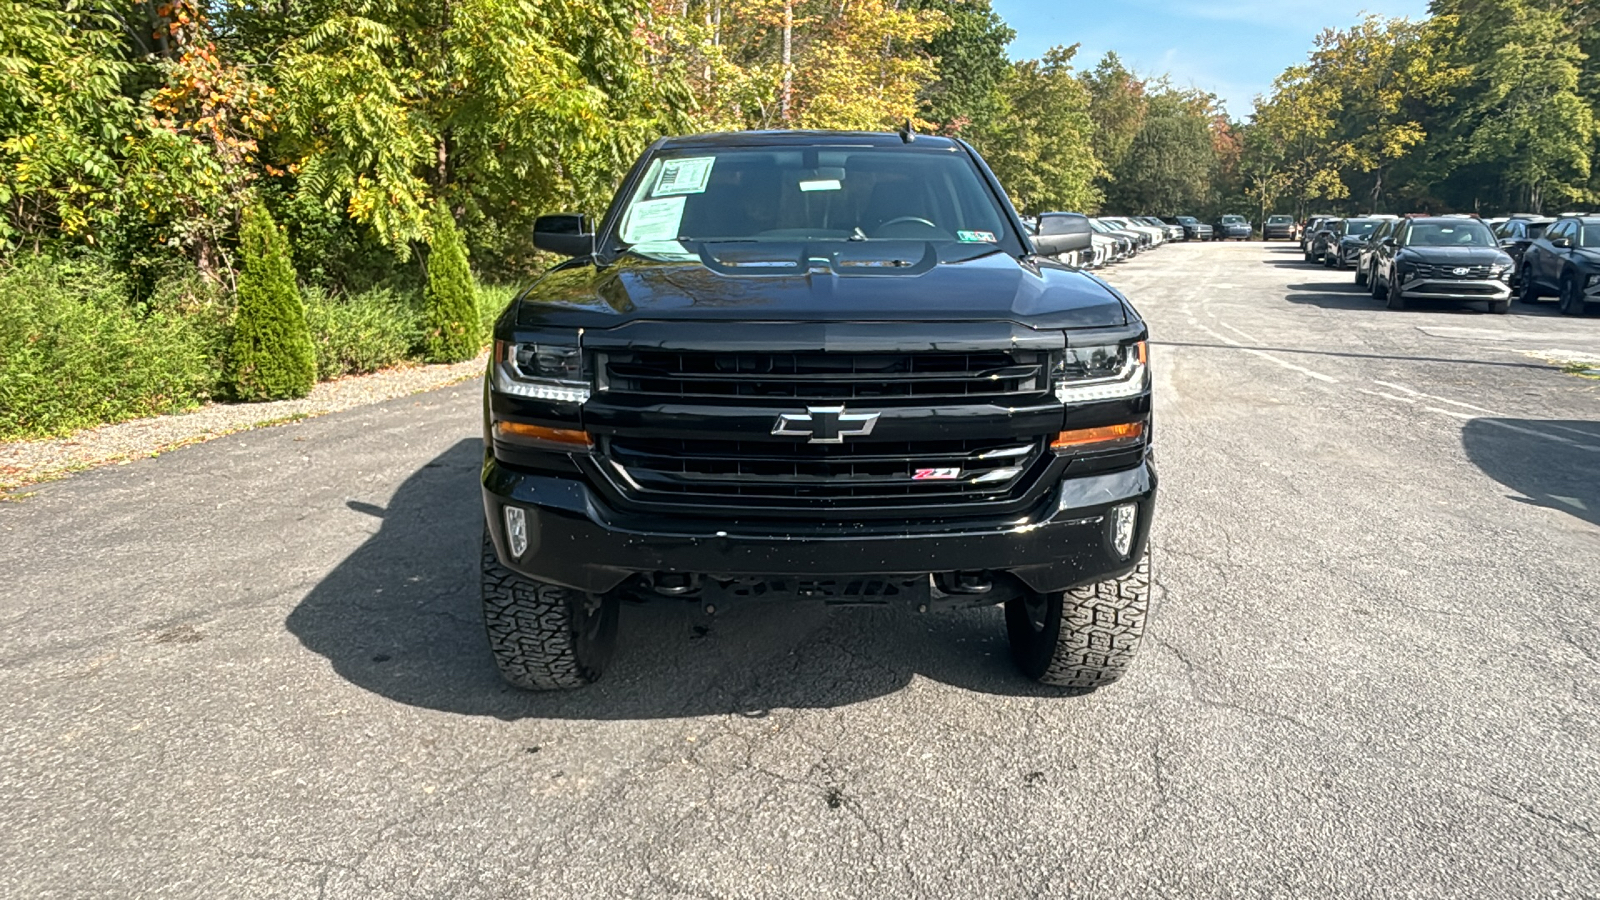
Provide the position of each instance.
(997, 375)
(856, 475)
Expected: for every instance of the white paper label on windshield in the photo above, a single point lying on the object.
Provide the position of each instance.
(653, 220)
(821, 184)
(684, 176)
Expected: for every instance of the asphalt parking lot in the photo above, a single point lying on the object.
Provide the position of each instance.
(255, 667)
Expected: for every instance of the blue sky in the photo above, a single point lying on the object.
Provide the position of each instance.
(1232, 49)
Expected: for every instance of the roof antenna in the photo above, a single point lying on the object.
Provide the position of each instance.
(908, 133)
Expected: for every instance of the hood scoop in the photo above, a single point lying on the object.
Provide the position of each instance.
(859, 258)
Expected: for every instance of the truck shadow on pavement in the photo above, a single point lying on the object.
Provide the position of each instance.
(1543, 460)
(400, 617)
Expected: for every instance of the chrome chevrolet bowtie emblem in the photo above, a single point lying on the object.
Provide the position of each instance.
(825, 424)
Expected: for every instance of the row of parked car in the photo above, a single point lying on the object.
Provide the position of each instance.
(1464, 257)
(1112, 238)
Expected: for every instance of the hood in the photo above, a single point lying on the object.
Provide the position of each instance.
(877, 281)
(1588, 255)
(1458, 256)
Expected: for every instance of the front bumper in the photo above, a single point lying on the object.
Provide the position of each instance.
(576, 540)
(1455, 289)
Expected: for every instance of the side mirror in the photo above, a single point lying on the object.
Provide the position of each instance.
(1560, 242)
(1387, 242)
(1062, 233)
(567, 234)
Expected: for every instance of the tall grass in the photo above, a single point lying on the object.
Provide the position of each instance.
(365, 332)
(75, 350)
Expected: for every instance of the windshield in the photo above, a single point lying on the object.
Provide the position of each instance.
(1100, 226)
(1278, 220)
(1453, 234)
(1188, 220)
(1359, 226)
(812, 194)
(1233, 220)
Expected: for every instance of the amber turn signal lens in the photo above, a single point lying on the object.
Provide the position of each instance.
(564, 436)
(1105, 434)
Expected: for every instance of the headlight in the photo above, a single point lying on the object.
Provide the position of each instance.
(1106, 372)
(1594, 281)
(541, 371)
(1499, 269)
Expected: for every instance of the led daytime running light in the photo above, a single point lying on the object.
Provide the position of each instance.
(1127, 383)
(509, 379)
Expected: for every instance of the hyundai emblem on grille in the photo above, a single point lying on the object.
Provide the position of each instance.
(1459, 270)
(825, 424)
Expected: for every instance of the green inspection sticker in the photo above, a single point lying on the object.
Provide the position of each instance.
(976, 237)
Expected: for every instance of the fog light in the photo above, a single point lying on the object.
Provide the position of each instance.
(517, 531)
(1122, 520)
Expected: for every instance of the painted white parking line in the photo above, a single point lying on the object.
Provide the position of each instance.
(1590, 434)
(1452, 413)
(1270, 358)
(1239, 333)
(1594, 448)
(1401, 387)
(1388, 396)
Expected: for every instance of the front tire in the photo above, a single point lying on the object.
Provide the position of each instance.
(545, 637)
(1396, 299)
(1529, 292)
(1361, 276)
(1082, 638)
(1572, 302)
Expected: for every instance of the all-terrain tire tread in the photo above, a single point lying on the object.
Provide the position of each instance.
(1099, 632)
(531, 628)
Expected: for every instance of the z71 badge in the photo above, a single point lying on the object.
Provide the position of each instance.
(936, 474)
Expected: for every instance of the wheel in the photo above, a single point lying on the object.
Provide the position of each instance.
(1374, 286)
(1308, 256)
(1082, 638)
(1361, 276)
(1396, 300)
(1500, 307)
(1571, 296)
(545, 637)
(1529, 292)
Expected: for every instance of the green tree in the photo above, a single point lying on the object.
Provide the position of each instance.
(1041, 145)
(1291, 139)
(1170, 164)
(1520, 126)
(500, 108)
(1117, 104)
(270, 356)
(62, 116)
(450, 300)
(968, 88)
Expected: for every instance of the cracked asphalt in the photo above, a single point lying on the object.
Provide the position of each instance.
(255, 667)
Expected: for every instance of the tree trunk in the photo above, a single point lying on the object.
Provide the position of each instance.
(788, 59)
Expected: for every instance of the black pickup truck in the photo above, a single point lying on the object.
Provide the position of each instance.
(815, 367)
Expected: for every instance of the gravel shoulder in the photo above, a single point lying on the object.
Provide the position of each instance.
(29, 462)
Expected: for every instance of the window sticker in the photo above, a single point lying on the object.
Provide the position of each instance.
(976, 237)
(653, 220)
(684, 176)
(821, 184)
